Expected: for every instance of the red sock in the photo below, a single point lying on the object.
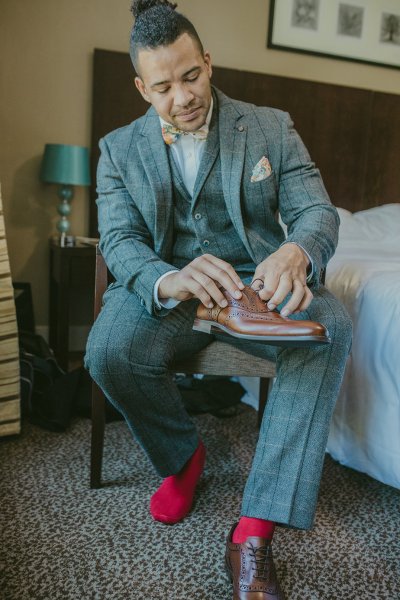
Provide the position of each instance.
(248, 526)
(173, 499)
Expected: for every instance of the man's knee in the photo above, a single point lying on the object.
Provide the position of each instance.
(95, 359)
(120, 351)
(329, 311)
(115, 355)
(340, 327)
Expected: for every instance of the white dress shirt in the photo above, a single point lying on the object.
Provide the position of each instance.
(187, 151)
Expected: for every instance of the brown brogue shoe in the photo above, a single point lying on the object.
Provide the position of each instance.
(250, 318)
(251, 569)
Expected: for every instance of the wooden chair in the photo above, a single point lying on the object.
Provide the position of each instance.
(218, 358)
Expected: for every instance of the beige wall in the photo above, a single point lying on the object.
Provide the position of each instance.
(45, 90)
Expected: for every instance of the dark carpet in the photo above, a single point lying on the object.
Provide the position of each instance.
(63, 541)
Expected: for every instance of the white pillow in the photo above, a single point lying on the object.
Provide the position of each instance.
(378, 224)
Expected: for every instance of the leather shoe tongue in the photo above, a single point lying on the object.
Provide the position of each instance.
(254, 295)
(256, 542)
(250, 299)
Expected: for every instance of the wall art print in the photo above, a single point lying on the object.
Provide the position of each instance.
(358, 30)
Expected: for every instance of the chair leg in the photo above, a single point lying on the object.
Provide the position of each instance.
(98, 424)
(262, 398)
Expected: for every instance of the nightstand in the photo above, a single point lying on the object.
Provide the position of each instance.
(71, 268)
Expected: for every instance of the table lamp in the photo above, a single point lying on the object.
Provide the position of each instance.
(68, 166)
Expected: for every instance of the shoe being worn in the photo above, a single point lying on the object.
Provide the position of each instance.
(251, 569)
(250, 318)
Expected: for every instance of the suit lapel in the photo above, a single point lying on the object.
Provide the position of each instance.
(153, 154)
(233, 136)
(208, 159)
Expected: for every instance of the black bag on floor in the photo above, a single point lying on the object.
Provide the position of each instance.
(39, 371)
(50, 397)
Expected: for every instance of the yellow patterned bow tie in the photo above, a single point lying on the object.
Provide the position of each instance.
(171, 134)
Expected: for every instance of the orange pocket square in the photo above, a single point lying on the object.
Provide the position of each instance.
(262, 170)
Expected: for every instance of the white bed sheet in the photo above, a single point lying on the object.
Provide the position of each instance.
(365, 275)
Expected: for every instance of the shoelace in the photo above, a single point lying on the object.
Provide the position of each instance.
(259, 557)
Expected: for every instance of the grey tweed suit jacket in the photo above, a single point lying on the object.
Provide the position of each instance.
(135, 194)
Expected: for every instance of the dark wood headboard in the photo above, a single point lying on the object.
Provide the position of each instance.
(352, 134)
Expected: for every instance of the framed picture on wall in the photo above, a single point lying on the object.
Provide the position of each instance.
(366, 31)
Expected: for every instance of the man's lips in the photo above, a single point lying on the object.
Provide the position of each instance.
(188, 116)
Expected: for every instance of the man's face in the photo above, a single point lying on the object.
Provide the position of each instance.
(175, 79)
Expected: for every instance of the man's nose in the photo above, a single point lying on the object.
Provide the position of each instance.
(183, 96)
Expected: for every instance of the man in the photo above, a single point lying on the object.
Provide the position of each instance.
(188, 196)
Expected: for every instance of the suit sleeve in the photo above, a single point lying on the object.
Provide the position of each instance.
(125, 240)
(304, 204)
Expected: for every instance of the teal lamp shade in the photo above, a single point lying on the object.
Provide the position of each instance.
(66, 165)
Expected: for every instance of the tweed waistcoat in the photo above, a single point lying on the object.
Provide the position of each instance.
(202, 223)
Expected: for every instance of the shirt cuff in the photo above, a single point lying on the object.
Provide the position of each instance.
(166, 302)
(310, 268)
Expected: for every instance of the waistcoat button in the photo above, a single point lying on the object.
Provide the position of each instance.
(206, 243)
(197, 216)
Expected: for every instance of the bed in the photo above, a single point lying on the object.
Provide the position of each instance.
(352, 134)
(365, 275)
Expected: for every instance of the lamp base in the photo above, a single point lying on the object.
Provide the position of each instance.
(64, 240)
(65, 193)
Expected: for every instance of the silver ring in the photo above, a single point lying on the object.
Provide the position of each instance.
(258, 279)
(258, 289)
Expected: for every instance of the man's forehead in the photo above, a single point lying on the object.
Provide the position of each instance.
(178, 58)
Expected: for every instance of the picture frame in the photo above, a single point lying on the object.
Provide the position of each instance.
(364, 31)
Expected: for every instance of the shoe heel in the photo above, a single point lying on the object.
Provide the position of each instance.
(203, 326)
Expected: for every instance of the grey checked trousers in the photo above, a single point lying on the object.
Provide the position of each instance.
(129, 353)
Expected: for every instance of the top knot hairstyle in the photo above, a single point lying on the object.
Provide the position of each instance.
(157, 23)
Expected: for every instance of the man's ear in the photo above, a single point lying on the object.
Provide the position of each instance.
(207, 60)
(140, 86)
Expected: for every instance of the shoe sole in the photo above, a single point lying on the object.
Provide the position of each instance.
(275, 340)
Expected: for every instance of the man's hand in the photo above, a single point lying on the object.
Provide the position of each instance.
(283, 272)
(202, 279)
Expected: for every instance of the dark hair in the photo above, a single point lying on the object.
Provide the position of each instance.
(157, 23)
